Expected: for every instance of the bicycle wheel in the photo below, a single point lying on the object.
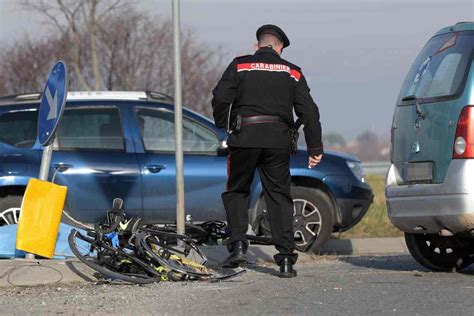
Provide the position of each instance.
(166, 257)
(110, 262)
(167, 238)
(195, 232)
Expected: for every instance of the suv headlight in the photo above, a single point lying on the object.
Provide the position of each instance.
(357, 170)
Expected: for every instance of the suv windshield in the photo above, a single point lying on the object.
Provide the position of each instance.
(439, 72)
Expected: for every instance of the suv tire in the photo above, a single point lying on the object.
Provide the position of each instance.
(10, 213)
(318, 210)
(10, 209)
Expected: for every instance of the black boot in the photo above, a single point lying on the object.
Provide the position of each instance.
(237, 255)
(286, 269)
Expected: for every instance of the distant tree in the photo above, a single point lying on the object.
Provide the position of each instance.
(26, 63)
(78, 22)
(334, 140)
(110, 46)
(368, 137)
(368, 146)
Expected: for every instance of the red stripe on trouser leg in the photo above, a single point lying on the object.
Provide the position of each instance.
(228, 172)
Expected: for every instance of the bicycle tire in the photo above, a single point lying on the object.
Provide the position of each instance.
(195, 232)
(169, 263)
(132, 278)
(164, 234)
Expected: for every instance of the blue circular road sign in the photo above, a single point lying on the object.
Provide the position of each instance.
(52, 103)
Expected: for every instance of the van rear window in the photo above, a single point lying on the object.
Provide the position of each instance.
(440, 70)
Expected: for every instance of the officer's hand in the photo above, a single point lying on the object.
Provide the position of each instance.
(314, 160)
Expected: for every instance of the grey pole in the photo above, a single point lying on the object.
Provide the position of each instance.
(46, 162)
(178, 115)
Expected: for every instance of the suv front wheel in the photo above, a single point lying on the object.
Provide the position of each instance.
(10, 209)
(440, 253)
(312, 216)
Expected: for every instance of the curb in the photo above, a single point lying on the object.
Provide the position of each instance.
(23, 273)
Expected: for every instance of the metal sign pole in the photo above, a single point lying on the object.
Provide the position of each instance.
(46, 162)
(178, 114)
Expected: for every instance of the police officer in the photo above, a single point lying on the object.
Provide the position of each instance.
(256, 97)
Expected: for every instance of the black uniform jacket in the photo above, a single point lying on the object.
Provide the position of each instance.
(266, 84)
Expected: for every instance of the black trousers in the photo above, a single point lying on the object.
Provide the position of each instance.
(274, 168)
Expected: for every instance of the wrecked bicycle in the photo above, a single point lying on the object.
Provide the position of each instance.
(125, 249)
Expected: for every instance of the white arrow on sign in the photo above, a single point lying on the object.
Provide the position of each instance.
(53, 104)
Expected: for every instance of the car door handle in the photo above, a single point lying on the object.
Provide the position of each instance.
(61, 167)
(12, 155)
(155, 168)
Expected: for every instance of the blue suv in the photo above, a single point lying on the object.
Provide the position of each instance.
(121, 144)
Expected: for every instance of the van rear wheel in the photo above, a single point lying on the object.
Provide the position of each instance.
(438, 253)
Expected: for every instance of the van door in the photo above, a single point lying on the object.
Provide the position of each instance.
(96, 160)
(428, 108)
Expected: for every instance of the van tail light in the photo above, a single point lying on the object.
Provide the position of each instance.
(464, 139)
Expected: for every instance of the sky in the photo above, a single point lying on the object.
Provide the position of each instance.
(354, 53)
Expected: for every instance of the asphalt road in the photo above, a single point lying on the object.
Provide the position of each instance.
(328, 286)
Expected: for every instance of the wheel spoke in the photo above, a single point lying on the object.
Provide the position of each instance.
(308, 229)
(314, 216)
(306, 236)
(298, 210)
(303, 207)
(15, 215)
(317, 226)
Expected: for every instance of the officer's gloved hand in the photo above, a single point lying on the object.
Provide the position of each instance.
(314, 160)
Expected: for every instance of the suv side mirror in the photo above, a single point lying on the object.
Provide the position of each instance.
(223, 149)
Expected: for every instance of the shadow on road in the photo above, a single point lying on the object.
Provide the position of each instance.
(261, 269)
(394, 263)
(468, 271)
